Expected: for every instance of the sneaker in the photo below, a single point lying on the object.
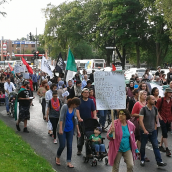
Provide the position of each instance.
(25, 130)
(18, 128)
(142, 163)
(103, 130)
(168, 153)
(8, 113)
(79, 153)
(161, 148)
(161, 164)
(55, 141)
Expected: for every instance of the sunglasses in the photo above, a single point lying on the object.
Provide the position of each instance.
(54, 96)
(121, 113)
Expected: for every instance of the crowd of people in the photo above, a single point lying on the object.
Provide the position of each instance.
(67, 105)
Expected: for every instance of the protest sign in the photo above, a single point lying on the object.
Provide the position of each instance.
(110, 90)
(23, 68)
(17, 68)
(26, 75)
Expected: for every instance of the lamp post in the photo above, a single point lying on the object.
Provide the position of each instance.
(113, 55)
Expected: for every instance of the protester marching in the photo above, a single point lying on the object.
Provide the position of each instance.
(89, 105)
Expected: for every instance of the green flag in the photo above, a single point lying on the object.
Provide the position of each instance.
(71, 65)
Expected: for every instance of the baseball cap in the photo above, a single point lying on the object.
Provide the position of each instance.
(168, 90)
(85, 89)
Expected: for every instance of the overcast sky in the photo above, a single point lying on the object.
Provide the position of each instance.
(23, 16)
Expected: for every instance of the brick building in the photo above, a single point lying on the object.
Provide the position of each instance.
(16, 47)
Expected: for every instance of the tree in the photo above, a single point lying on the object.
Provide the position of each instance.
(1, 3)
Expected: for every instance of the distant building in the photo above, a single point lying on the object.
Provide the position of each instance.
(10, 47)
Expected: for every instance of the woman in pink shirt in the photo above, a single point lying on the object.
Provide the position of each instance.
(2, 97)
(124, 142)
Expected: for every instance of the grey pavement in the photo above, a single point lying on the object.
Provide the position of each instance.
(43, 145)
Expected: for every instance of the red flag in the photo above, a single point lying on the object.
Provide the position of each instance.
(113, 68)
(10, 67)
(27, 65)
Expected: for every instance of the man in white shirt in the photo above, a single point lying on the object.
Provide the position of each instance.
(8, 87)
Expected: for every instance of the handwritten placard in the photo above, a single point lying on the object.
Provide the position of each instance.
(110, 90)
(17, 68)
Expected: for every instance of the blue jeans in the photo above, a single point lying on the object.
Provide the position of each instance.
(7, 103)
(62, 138)
(99, 148)
(153, 139)
(102, 117)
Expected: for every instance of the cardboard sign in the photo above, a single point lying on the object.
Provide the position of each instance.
(110, 90)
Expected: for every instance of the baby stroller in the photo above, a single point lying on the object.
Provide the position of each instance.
(12, 97)
(88, 129)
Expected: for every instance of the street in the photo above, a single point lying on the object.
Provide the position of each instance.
(43, 145)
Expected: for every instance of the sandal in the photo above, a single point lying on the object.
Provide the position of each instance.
(70, 166)
(57, 163)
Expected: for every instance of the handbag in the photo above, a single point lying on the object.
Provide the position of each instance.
(40, 99)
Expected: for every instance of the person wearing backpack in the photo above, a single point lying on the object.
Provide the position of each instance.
(164, 106)
(147, 119)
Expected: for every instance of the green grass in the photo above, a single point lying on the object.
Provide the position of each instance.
(18, 156)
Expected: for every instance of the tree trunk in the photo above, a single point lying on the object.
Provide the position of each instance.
(138, 55)
(108, 55)
(122, 58)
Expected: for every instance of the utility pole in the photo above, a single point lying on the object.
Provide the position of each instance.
(36, 51)
(2, 49)
(36, 40)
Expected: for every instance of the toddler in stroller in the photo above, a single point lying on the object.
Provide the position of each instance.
(96, 140)
(95, 147)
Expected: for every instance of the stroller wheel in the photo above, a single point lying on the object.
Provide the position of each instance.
(106, 161)
(94, 163)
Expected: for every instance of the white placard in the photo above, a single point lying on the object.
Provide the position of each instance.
(65, 94)
(17, 68)
(26, 75)
(23, 68)
(110, 90)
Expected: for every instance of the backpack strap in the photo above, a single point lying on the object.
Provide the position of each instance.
(162, 99)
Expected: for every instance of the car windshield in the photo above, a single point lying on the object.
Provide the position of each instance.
(98, 64)
(140, 70)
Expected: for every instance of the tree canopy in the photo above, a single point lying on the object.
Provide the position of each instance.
(139, 29)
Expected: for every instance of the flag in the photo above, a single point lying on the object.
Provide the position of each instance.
(27, 66)
(60, 65)
(113, 67)
(70, 66)
(45, 67)
(10, 67)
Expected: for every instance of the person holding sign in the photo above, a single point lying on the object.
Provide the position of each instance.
(124, 142)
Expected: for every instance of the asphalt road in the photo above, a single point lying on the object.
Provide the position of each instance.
(43, 145)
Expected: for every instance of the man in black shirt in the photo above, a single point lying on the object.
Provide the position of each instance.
(70, 89)
(24, 106)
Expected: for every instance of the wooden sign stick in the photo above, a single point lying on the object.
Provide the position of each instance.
(112, 117)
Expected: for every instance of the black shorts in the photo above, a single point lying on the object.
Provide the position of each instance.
(165, 127)
(24, 113)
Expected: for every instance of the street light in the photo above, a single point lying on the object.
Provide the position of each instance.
(113, 55)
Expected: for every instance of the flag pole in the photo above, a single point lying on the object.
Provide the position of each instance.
(66, 64)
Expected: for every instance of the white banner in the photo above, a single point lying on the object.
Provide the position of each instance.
(110, 90)
(45, 67)
(70, 75)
